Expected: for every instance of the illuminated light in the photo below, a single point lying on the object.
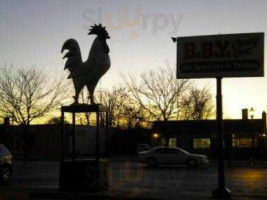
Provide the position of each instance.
(252, 175)
(155, 135)
(263, 135)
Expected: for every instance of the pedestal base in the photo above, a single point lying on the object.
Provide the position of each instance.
(221, 193)
(84, 175)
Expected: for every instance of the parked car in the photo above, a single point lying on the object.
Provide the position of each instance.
(167, 155)
(5, 164)
(142, 147)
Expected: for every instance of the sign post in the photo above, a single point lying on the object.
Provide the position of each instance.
(221, 191)
(218, 56)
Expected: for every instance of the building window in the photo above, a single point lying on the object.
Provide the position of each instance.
(162, 141)
(172, 142)
(244, 142)
(201, 143)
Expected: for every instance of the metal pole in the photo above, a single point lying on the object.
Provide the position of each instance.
(97, 145)
(97, 134)
(221, 191)
(62, 154)
(62, 135)
(107, 126)
(221, 177)
(253, 154)
(73, 137)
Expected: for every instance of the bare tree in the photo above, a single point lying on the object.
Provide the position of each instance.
(116, 100)
(57, 120)
(121, 109)
(157, 93)
(197, 104)
(123, 113)
(28, 94)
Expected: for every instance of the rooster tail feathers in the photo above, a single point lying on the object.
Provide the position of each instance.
(73, 56)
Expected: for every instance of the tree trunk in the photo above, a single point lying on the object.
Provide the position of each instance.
(87, 116)
(166, 133)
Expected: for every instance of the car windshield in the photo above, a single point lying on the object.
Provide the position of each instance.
(153, 149)
(3, 149)
(184, 151)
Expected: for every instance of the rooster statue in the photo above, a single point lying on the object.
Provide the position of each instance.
(87, 73)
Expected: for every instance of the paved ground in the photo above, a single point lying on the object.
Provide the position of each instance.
(132, 180)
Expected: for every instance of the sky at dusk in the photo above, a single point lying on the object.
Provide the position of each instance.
(32, 33)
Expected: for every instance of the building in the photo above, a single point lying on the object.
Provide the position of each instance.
(242, 137)
(44, 141)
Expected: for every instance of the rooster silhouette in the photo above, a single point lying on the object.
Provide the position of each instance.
(87, 73)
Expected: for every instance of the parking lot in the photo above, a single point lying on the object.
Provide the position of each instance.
(165, 182)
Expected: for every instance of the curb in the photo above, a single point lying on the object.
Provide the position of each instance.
(55, 194)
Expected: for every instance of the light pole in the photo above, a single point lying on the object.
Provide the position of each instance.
(251, 111)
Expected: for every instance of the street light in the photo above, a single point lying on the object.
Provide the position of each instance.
(156, 137)
(253, 136)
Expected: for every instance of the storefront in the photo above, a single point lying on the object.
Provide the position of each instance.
(241, 136)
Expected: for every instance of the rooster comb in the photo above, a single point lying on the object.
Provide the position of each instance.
(96, 29)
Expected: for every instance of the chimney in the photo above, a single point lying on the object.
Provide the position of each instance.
(6, 121)
(245, 114)
(264, 116)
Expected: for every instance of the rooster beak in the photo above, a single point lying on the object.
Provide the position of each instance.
(108, 37)
(65, 55)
